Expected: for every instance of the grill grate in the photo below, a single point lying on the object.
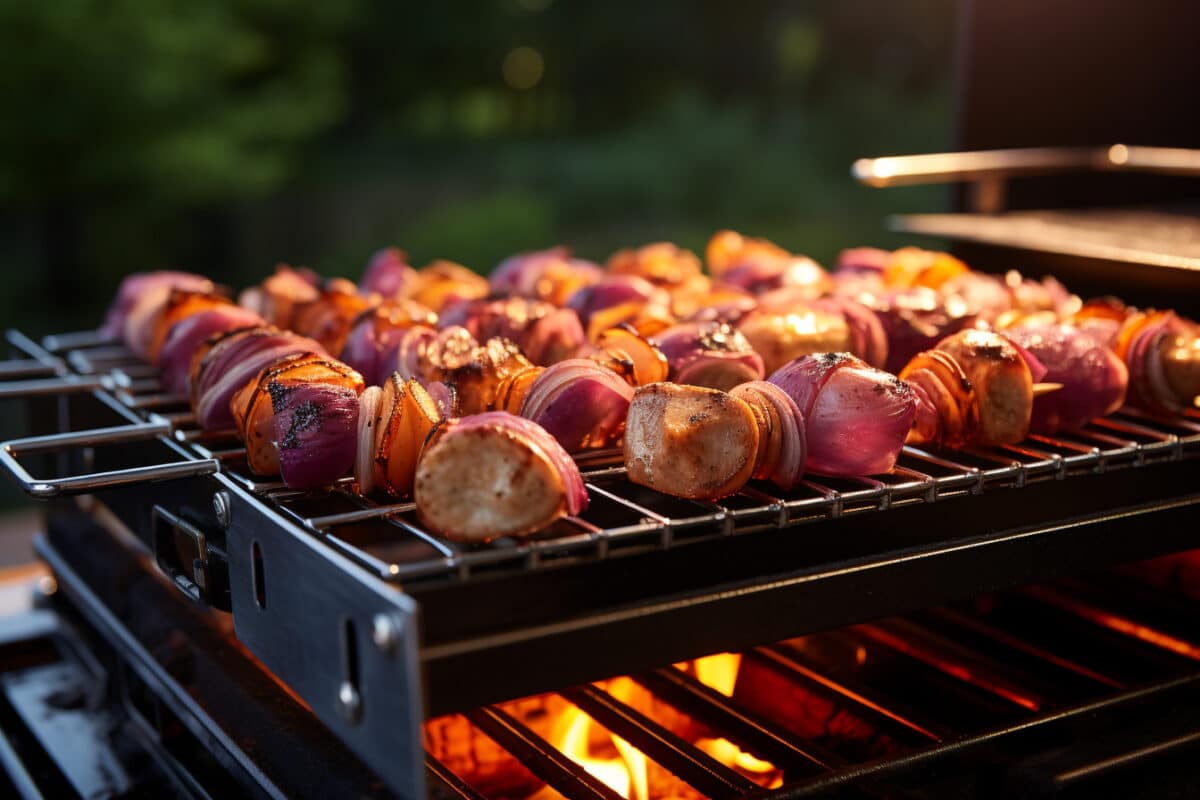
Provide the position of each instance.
(623, 517)
(918, 741)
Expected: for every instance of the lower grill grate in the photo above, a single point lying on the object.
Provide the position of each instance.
(955, 701)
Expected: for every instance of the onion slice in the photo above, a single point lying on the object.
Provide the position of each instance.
(315, 427)
(364, 454)
(582, 405)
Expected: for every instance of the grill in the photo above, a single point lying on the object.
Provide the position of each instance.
(395, 639)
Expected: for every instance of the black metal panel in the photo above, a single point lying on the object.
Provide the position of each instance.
(343, 641)
(180, 677)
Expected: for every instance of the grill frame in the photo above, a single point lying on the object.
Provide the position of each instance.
(735, 569)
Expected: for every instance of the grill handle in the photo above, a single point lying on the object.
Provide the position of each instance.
(45, 488)
(989, 170)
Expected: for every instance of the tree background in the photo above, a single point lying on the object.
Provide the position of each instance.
(228, 135)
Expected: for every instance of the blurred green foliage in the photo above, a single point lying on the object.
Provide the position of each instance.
(226, 135)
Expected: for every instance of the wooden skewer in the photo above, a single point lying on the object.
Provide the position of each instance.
(1040, 389)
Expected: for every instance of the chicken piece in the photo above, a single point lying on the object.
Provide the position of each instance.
(690, 441)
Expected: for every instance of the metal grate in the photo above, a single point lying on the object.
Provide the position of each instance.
(930, 701)
(388, 540)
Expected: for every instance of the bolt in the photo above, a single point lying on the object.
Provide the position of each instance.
(223, 509)
(349, 705)
(385, 632)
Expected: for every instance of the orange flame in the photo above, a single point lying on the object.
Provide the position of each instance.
(720, 672)
(583, 741)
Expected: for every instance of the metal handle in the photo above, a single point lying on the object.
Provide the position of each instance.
(43, 488)
(66, 384)
(192, 564)
(1013, 163)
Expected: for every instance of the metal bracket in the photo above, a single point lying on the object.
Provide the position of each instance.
(44, 488)
(192, 564)
(344, 641)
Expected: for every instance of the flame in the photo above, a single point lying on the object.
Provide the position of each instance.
(576, 736)
(719, 672)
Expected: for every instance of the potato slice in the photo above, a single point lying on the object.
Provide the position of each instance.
(482, 483)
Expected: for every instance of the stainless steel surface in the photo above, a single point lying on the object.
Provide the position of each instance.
(1152, 238)
(12, 450)
(1019, 162)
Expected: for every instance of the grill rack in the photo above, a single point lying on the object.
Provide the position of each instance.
(647, 520)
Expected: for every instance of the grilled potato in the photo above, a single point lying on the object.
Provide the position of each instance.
(690, 441)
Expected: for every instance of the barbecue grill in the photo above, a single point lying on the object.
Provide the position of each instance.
(374, 624)
(973, 624)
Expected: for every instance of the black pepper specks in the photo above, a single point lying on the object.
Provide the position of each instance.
(307, 415)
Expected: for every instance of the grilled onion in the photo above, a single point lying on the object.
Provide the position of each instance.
(579, 403)
(255, 405)
(406, 416)
(856, 417)
(147, 291)
(219, 371)
(711, 354)
(186, 336)
(315, 427)
(782, 434)
(388, 274)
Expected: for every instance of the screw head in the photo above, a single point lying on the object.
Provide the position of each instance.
(385, 632)
(222, 507)
(349, 705)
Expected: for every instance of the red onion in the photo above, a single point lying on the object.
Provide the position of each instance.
(761, 275)
(1148, 384)
(615, 290)
(364, 458)
(856, 417)
(373, 345)
(232, 364)
(552, 338)
(147, 290)
(175, 357)
(712, 354)
(785, 439)
(316, 432)
(579, 403)
(444, 397)
(389, 274)
(530, 274)
(1093, 378)
(863, 259)
(410, 350)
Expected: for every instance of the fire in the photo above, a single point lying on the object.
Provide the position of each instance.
(720, 672)
(608, 758)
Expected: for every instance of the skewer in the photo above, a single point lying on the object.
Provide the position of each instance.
(1040, 389)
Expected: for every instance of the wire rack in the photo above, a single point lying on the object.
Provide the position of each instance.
(389, 540)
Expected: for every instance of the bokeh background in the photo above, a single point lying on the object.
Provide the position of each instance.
(227, 135)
